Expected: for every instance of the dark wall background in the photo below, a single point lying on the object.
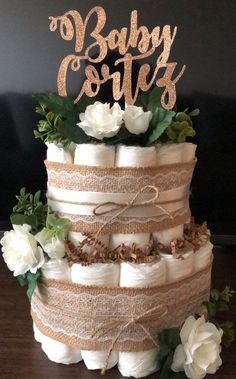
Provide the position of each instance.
(29, 59)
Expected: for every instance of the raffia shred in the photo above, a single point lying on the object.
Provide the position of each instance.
(99, 253)
(93, 251)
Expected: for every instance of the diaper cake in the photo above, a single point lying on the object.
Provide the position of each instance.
(118, 272)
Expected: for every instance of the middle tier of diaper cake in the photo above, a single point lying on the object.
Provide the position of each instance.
(136, 262)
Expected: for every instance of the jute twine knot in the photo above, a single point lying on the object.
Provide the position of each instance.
(137, 320)
(122, 207)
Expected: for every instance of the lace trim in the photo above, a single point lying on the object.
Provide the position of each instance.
(82, 178)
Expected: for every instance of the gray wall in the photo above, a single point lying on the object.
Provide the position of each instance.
(205, 41)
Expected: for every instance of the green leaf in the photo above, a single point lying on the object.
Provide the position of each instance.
(32, 281)
(160, 121)
(22, 280)
(211, 309)
(55, 103)
(57, 227)
(83, 103)
(228, 333)
(72, 132)
(170, 337)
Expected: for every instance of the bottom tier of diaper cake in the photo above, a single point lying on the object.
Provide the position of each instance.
(108, 308)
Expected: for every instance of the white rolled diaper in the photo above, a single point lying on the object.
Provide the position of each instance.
(169, 153)
(178, 269)
(105, 274)
(143, 363)
(56, 351)
(202, 256)
(189, 151)
(166, 236)
(56, 153)
(89, 154)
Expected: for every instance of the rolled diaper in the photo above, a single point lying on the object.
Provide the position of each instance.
(89, 154)
(99, 155)
(38, 336)
(105, 274)
(59, 352)
(56, 153)
(76, 238)
(178, 269)
(189, 151)
(169, 153)
(99, 274)
(139, 239)
(138, 365)
(142, 274)
(202, 257)
(56, 269)
(56, 351)
(133, 156)
(143, 363)
(166, 236)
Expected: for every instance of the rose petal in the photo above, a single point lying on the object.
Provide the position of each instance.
(178, 359)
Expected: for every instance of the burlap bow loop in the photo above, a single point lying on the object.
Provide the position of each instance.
(122, 207)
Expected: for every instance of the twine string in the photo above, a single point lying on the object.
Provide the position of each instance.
(122, 207)
(135, 320)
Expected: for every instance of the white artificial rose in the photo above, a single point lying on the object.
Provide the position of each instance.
(136, 120)
(54, 247)
(20, 250)
(99, 120)
(199, 353)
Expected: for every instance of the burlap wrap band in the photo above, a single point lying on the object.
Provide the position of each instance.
(115, 318)
(126, 225)
(118, 179)
(75, 191)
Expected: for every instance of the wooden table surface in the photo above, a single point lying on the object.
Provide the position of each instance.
(21, 356)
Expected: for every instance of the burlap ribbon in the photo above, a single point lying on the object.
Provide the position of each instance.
(115, 318)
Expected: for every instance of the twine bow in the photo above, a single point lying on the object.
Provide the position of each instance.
(122, 207)
(136, 320)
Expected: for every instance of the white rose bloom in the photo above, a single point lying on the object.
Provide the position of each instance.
(136, 120)
(199, 353)
(20, 250)
(54, 247)
(99, 120)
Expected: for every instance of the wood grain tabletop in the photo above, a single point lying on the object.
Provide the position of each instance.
(21, 356)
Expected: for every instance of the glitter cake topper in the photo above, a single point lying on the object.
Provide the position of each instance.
(72, 26)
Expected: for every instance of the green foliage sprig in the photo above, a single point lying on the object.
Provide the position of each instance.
(181, 127)
(60, 116)
(219, 302)
(55, 227)
(29, 210)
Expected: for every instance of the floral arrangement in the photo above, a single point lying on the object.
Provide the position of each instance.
(87, 121)
(195, 350)
(37, 236)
